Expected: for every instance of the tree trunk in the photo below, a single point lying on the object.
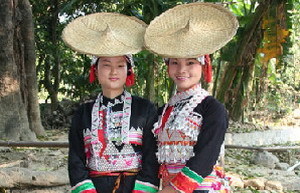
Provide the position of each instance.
(217, 76)
(233, 87)
(51, 55)
(13, 97)
(150, 90)
(51, 88)
(27, 31)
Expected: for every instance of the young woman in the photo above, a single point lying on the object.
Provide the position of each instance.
(190, 133)
(192, 125)
(112, 148)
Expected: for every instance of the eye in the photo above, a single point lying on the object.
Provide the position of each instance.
(191, 63)
(121, 66)
(173, 62)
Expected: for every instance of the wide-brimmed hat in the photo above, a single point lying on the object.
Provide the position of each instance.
(190, 30)
(105, 34)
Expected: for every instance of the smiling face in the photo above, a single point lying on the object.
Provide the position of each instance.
(185, 72)
(112, 73)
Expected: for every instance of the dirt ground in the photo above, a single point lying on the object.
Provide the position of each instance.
(37, 163)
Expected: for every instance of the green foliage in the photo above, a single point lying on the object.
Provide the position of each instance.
(282, 84)
(75, 77)
(162, 83)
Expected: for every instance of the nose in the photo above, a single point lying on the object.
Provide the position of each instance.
(113, 70)
(181, 68)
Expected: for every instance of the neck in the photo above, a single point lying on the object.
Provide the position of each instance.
(112, 93)
(191, 88)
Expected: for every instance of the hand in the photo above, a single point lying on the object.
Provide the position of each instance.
(168, 189)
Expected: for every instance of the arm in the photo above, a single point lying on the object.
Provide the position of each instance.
(78, 173)
(207, 148)
(147, 179)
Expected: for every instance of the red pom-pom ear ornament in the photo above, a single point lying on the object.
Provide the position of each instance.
(130, 78)
(207, 69)
(92, 74)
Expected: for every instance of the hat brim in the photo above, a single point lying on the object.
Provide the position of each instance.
(105, 34)
(190, 30)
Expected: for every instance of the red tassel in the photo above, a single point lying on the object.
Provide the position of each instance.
(92, 75)
(130, 78)
(207, 69)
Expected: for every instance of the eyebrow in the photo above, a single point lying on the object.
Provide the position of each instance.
(106, 60)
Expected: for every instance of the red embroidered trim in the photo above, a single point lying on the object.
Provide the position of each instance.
(130, 78)
(92, 74)
(207, 69)
(135, 142)
(165, 117)
(89, 191)
(101, 135)
(184, 183)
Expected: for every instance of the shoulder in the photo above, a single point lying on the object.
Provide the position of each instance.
(141, 101)
(160, 109)
(143, 108)
(85, 106)
(211, 105)
(212, 102)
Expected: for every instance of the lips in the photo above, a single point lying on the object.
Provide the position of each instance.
(113, 78)
(181, 77)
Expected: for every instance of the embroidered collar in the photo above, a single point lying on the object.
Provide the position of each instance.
(185, 94)
(178, 119)
(107, 102)
(97, 118)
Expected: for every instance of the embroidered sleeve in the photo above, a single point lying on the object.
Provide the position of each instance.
(147, 179)
(142, 187)
(78, 173)
(210, 139)
(186, 181)
(86, 186)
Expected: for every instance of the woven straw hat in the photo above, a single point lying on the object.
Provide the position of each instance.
(190, 30)
(105, 34)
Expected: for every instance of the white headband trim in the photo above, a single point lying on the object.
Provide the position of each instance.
(200, 59)
(128, 56)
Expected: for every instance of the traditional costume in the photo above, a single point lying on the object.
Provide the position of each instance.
(192, 125)
(112, 148)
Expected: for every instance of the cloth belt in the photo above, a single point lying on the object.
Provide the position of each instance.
(120, 174)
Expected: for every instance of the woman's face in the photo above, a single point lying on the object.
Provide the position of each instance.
(112, 73)
(185, 72)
